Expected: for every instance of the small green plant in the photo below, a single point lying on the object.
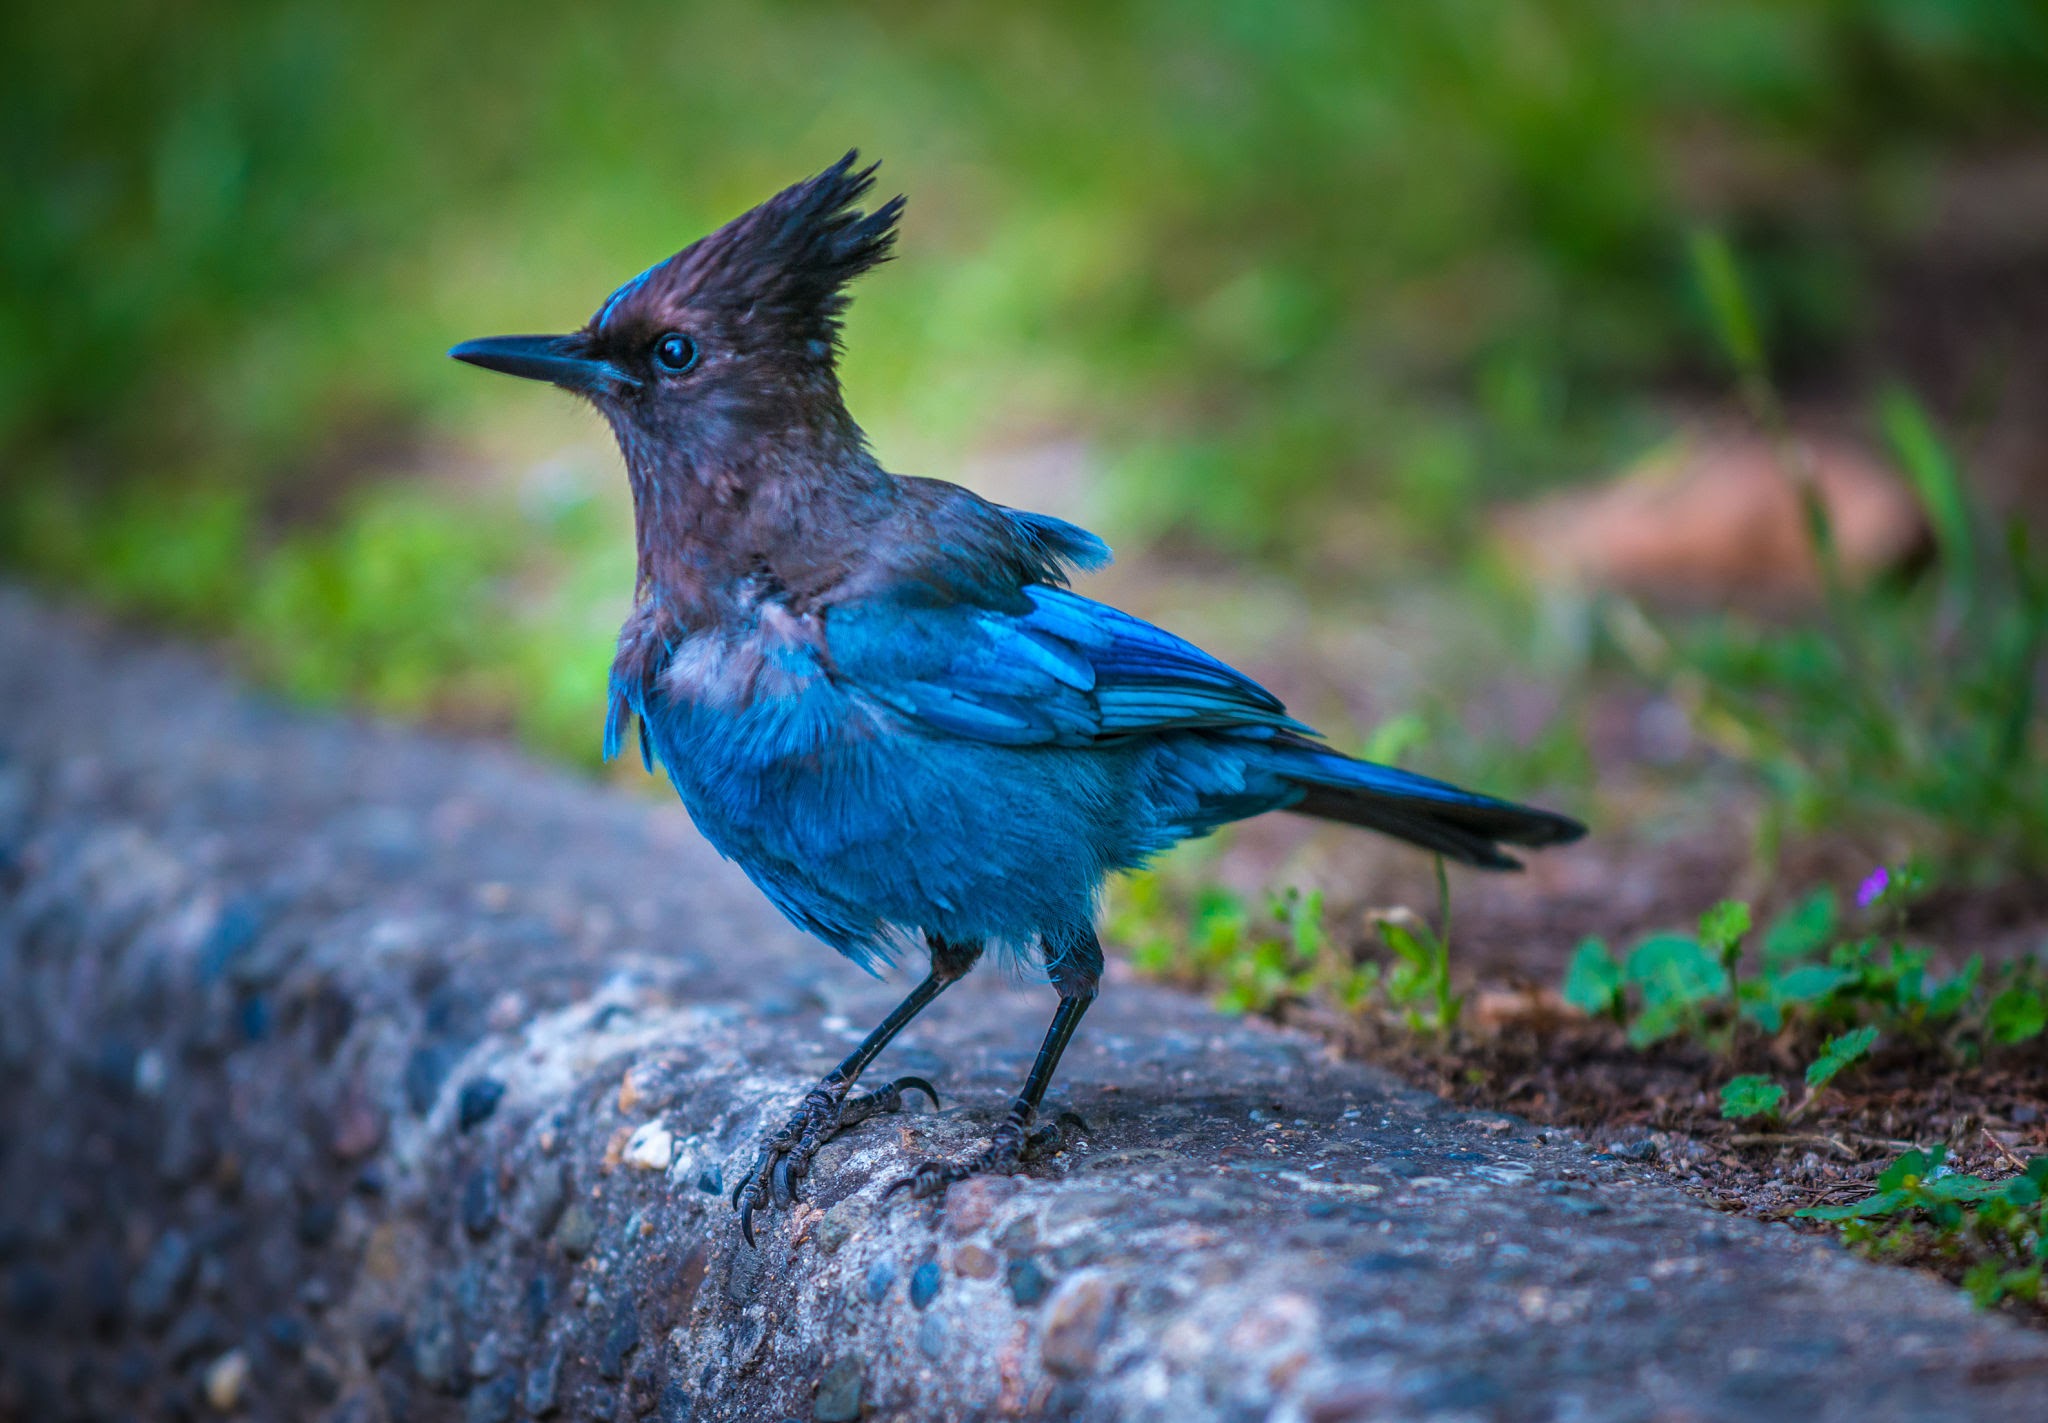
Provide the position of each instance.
(1669, 984)
(1809, 976)
(1751, 1096)
(1754, 1096)
(1991, 1234)
(1419, 984)
(1255, 963)
(1836, 1056)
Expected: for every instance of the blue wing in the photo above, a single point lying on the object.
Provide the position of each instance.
(1064, 671)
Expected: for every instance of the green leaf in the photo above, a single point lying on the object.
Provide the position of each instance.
(1714, 268)
(1722, 927)
(1910, 1167)
(1803, 930)
(1981, 1282)
(1304, 917)
(1808, 984)
(1840, 1051)
(1960, 1190)
(1406, 946)
(1884, 1203)
(1751, 1096)
(1657, 1022)
(2017, 1015)
(1674, 972)
(1593, 982)
(1759, 1005)
(1935, 480)
(1948, 1000)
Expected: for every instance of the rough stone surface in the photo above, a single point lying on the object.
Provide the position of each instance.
(250, 957)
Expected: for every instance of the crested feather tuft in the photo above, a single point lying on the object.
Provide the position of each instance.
(783, 265)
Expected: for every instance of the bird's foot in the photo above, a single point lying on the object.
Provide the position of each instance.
(1014, 1143)
(785, 1158)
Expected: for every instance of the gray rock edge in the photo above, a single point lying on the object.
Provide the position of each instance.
(354, 1072)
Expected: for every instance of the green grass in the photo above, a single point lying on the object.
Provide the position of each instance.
(1313, 285)
(1179, 928)
(1398, 252)
(1908, 714)
(494, 618)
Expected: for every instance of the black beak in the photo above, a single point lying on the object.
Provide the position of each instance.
(560, 360)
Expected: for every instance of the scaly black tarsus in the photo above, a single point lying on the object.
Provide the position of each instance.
(785, 1158)
(1013, 1137)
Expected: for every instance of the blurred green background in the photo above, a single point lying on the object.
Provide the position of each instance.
(1302, 288)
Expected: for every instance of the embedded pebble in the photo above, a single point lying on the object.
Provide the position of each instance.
(576, 1231)
(970, 1203)
(838, 1398)
(832, 1232)
(1028, 1283)
(285, 1333)
(880, 1276)
(226, 1378)
(651, 1147)
(547, 1191)
(1076, 1321)
(924, 1284)
(425, 1070)
(974, 1262)
(487, 1356)
(477, 1100)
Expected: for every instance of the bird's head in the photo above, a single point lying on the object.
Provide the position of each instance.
(730, 345)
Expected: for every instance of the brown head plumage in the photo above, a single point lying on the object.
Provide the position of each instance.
(773, 280)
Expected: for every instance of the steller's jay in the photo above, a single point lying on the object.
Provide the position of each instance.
(877, 694)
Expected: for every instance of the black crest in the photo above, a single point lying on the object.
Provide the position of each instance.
(782, 267)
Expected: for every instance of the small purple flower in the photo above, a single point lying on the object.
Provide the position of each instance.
(1873, 887)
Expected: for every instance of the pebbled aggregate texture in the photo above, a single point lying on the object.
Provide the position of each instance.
(341, 1064)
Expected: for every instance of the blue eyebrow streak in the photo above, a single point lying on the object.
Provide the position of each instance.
(612, 302)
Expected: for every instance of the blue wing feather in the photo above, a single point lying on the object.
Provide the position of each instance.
(1066, 671)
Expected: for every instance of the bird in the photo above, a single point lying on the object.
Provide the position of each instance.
(880, 695)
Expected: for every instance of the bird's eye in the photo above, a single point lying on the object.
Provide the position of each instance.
(675, 353)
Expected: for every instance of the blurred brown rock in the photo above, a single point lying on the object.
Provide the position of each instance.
(1715, 518)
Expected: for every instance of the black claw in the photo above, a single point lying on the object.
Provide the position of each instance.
(785, 1158)
(917, 1084)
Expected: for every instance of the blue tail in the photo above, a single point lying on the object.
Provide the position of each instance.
(1458, 824)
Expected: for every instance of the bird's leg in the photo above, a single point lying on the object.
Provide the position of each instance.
(827, 1109)
(1013, 1139)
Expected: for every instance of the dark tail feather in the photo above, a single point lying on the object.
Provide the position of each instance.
(1458, 824)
